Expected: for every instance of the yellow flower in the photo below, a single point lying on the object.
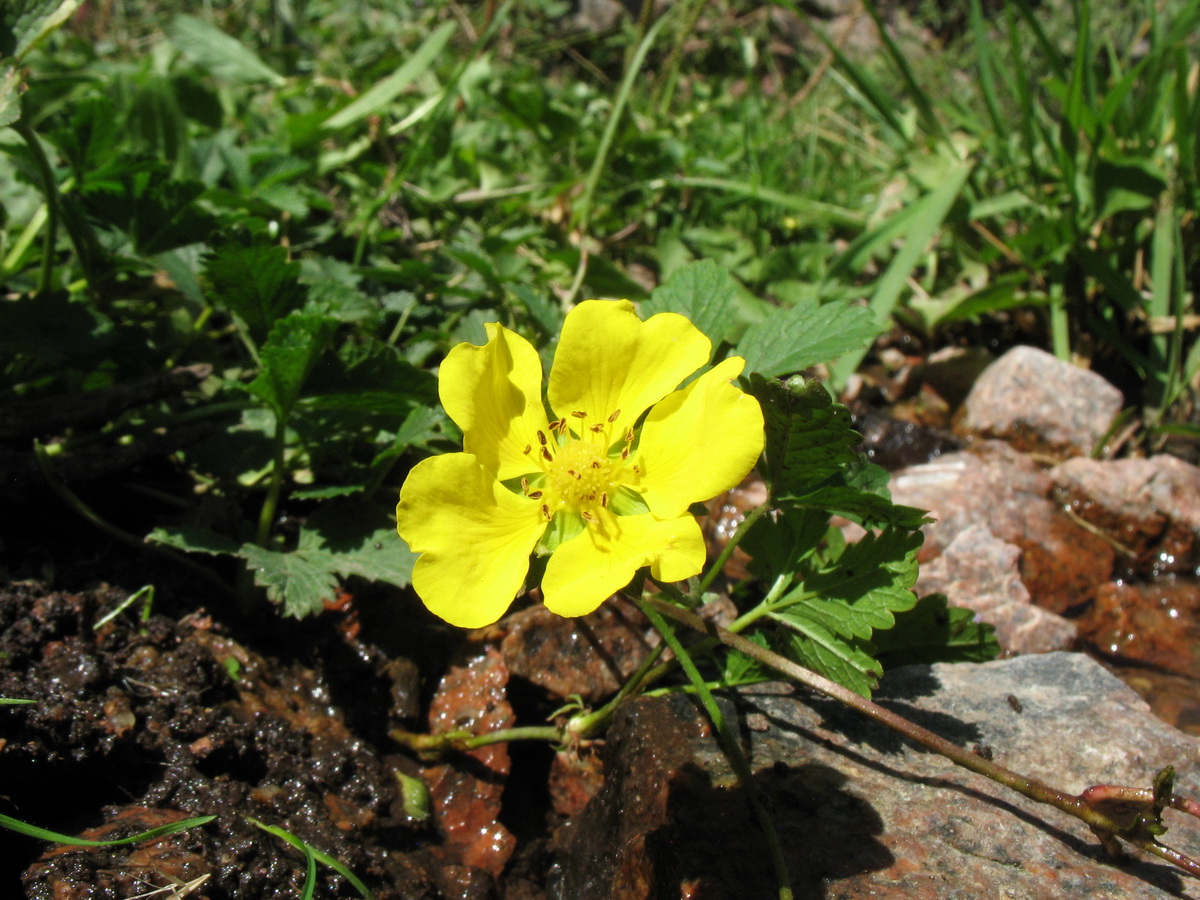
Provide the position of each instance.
(600, 493)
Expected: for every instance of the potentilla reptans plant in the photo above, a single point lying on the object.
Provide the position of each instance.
(602, 475)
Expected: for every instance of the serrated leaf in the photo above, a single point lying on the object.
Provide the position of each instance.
(932, 631)
(832, 614)
(194, 540)
(743, 669)
(867, 509)
(287, 357)
(704, 292)
(791, 340)
(844, 662)
(809, 438)
(258, 283)
(218, 53)
(360, 540)
(779, 543)
(879, 570)
(300, 582)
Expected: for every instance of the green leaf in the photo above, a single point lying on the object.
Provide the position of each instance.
(1126, 184)
(932, 631)
(10, 95)
(924, 220)
(222, 56)
(257, 282)
(25, 22)
(867, 509)
(834, 612)
(808, 437)
(743, 669)
(194, 540)
(287, 357)
(360, 540)
(383, 92)
(299, 582)
(842, 661)
(704, 292)
(790, 340)
(342, 539)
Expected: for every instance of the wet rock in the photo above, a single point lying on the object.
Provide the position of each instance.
(465, 792)
(1155, 624)
(894, 443)
(953, 371)
(728, 511)
(1174, 698)
(980, 572)
(1148, 507)
(1040, 404)
(862, 813)
(1062, 565)
(590, 656)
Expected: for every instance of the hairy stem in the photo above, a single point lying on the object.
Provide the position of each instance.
(1030, 787)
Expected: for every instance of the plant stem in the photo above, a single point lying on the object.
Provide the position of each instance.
(275, 488)
(50, 191)
(1030, 787)
(730, 545)
(729, 742)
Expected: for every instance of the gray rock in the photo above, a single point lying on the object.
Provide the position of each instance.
(862, 813)
(1039, 403)
(980, 572)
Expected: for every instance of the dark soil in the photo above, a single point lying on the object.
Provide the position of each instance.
(138, 725)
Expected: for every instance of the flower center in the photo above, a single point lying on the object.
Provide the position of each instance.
(580, 475)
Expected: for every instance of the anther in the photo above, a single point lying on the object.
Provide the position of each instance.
(542, 437)
(629, 435)
(637, 470)
(604, 500)
(579, 414)
(547, 455)
(524, 485)
(574, 474)
(616, 415)
(590, 517)
(595, 463)
(528, 447)
(596, 429)
(546, 512)
(625, 453)
(535, 495)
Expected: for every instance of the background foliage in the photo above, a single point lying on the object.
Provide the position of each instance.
(308, 204)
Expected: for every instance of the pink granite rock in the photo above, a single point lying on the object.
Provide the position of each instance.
(1005, 491)
(980, 572)
(1039, 403)
(1148, 507)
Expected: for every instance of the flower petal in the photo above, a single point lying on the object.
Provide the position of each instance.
(494, 394)
(608, 361)
(473, 534)
(698, 442)
(586, 570)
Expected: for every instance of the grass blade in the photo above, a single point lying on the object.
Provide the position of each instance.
(926, 218)
(386, 90)
(44, 834)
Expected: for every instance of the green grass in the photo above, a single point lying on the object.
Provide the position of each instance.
(319, 206)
